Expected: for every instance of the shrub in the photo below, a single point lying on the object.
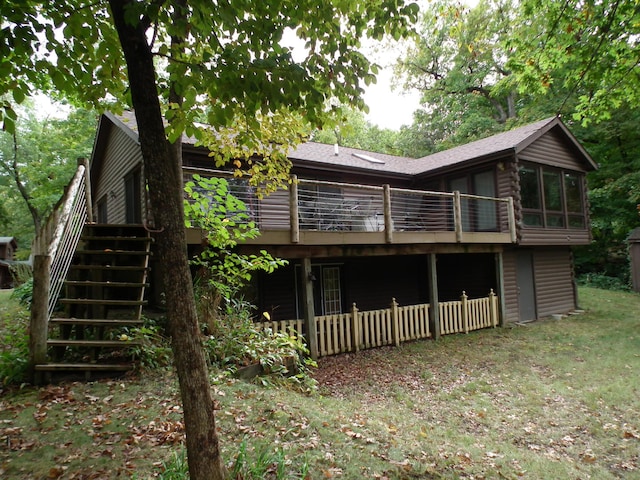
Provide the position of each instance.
(24, 293)
(153, 349)
(14, 345)
(603, 281)
(238, 341)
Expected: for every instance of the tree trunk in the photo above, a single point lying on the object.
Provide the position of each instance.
(165, 192)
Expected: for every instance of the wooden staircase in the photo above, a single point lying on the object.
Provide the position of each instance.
(103, 297)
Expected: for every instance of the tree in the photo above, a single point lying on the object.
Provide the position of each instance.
(595, 43)
(188, 61)
(37, 159)
(351, 129)
(458, 61)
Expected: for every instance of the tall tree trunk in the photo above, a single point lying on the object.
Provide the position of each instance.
(165, 192)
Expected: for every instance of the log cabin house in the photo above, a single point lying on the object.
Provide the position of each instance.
(383, 248)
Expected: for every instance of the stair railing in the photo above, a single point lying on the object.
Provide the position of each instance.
(53, 250)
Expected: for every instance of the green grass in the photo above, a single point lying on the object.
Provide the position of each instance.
(553, 399)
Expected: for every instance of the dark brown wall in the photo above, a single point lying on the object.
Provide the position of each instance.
(512, 313)
(372, 282)
(474, 274)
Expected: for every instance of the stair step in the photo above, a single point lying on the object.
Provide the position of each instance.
(122, 268)
(92, 301)
(117, 238)
(80, 367)
(96, 322)
(108, 251)
(89, 283)
(57, 342)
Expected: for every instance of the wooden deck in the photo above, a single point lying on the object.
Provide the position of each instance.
(317, 213)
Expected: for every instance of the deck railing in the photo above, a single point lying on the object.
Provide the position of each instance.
(52, 250)
(359, 330)
(319, 206)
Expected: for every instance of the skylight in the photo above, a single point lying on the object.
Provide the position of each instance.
(368, 158)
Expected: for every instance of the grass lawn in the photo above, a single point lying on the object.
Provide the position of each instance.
(549, 400)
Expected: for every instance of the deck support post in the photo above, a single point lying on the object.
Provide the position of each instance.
(388, 220)
(433, 296)
(294, 218)
(38, 324)
(309, 313)
(502, 308)
(395, 323)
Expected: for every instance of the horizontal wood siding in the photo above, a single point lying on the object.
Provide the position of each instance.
(274, 211)
(551, 149)
(512, 308)
(122, 155)
(554, 236)
(554, 281)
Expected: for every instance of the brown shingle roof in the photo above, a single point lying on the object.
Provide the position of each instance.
(323, 154)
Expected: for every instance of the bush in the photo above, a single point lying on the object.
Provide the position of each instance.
(238, 341)
(604, 282)
(14, 345)
(24, 293)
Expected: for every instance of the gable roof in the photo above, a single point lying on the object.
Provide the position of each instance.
(327, 156)
(512, 141)
(11, 240)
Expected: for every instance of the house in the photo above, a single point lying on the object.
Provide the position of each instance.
(8, 247)
(383, 248)
(540, 166)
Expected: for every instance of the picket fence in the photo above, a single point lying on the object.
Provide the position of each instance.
(358, 330)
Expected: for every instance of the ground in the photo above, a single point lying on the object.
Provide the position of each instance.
(553, 399)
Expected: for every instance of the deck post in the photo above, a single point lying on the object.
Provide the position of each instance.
(433, 296)
(87, 188)
(38, 323)
(355, 328)
(502, 309)
(395, 323)
(309, 314)
(512, 220)
(457, 215)
(294, 218)
(464, 311)
(388, 219)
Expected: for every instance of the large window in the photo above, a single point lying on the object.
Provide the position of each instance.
(477, 215)
(551, 197)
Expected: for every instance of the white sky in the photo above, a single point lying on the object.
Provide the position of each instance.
(389, 107)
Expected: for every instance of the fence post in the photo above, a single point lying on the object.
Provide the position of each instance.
(395, 323)
(388, 219)
(464, 312)
(294, 221)
(38, 323)
(457, 215)
(355, 328)
(493, 303)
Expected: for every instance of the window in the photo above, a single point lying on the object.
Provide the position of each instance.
(133, 197)
(551, 197)
(331, 297)
(327, 290)
(102, 209)
(477, 215)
